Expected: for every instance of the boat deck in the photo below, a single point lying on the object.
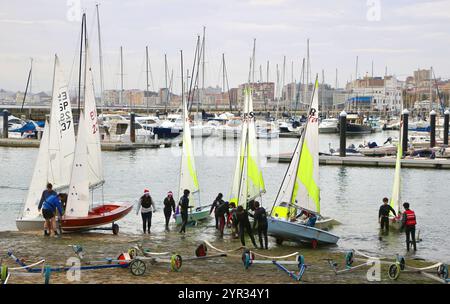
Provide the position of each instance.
(364, 161)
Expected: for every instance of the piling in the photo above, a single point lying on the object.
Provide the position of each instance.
(132, 127)
(5, 123)
(446, 121)
(405, 116)
(342, 133)
(433, 128)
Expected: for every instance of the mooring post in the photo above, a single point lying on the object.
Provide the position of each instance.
(132, 127)
(446, 121)
(342, 133)
(405, 115)
(5, 123)
(433, 128)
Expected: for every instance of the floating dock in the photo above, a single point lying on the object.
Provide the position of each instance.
(290, 135)
(106, 146)
(364, 161)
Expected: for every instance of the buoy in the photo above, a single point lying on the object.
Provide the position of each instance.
(175, 262)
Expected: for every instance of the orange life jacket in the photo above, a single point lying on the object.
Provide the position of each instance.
(410, 218)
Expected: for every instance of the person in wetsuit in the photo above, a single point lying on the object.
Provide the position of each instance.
(222, 212)
(260, 217)
(146, 206)
(169, 207)
(184, 207)
(214, 206)
(244, 225)
(232, 221)
(383, 215)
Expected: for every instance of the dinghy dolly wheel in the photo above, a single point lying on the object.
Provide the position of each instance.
(401, 261)
(115, 229)
(201, 250)
(47, 274)
(394, 271)
(175, 262)
(137, 267)
(349, 259)
(132, 252)
(4, 273)
(443, 271)
(246, 258)
(314, 244)
(279, 241)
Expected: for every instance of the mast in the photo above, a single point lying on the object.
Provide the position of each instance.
(283, 81)
(100, 58)
(267, 77)
(322, 90)
(121, 76)
(146, 74)
(83, 21)
(431, 90)
(336, 81)
(167, 87)
(203, 68)
(28, 84)
(307, 69)
(260, 74)
(253, 61)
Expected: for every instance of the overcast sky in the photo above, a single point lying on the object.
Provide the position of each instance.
(402, 36)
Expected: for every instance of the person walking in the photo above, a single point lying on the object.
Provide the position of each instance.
(244, 225)
(146, 206)
(184, 207)
(222, 212)
(383, 215)
(169, 207)
(260, 221)
(409, 223)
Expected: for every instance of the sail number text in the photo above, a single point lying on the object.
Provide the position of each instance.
(65, 113)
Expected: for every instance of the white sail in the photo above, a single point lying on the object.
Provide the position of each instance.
(39, 179)
(248, 182)
(300, 185)
(62, 135)
(188, 173)
(95, 172)
(396, 187)
(78, 197)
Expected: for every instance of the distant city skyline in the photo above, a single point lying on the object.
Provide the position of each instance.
(403, 36)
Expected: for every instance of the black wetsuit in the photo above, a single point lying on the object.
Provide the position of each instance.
(383, 215)
(184, 207)
(214, 205)
(222, 209)
(169, 207)
(260, 217)
(244, 225)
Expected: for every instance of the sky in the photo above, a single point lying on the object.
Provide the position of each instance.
(401, 35)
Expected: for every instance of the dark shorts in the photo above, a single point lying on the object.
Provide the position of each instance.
(48, 214)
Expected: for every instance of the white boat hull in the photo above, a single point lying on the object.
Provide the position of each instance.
(328, 130)
(295, 232)
(30, 224)
(193, 216)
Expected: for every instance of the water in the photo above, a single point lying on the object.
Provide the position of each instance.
(351, 195)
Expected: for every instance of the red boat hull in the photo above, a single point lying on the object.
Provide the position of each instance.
(98, 216)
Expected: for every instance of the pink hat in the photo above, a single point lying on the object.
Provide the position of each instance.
(146, 191)
(170, 193)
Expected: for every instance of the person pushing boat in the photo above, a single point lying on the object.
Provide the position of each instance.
(260, 217)
(49, 206)
(147, 207)
(219, 200)
(46, 194)
(244, 225)
(409, 223)
(169, 207)
(383, 215)
(184, 207)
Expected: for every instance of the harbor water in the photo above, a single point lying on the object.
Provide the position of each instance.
(352, 195)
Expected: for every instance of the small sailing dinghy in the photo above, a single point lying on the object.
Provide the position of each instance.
(300, 189)
(87, 172)
(188, 175)
(248, 183)
(55, 156)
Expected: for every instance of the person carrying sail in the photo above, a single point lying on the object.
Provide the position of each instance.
(260, 217)
(214, 206)
(383, 215)
(169, 207)
(184, 207)
(244, 225)
(146, 205)
(409, 223)
(49, 206)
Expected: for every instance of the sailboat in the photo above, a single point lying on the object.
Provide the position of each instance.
(87, 172)
(55, 156)
(188, 174)
(300, 189)
(248, 183)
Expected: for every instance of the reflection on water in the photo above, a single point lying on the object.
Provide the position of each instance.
(352, 195)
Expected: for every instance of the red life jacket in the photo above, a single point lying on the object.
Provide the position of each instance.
(410, 218)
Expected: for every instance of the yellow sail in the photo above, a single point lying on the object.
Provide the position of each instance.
(395, 198)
